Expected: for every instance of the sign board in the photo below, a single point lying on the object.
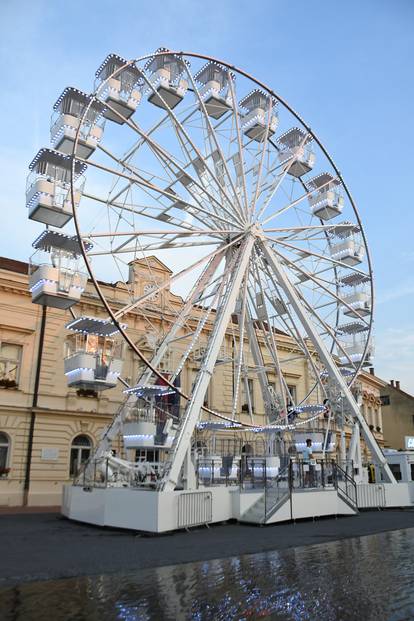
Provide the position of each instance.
(50, 454)
(409, 442)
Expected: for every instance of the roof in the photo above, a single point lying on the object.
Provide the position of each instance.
(75, 94)
(388, 388)
(293, 137)
(12, 265)
(56, 158)
(323, 179)
(93, 325)
(255, 98)
(50, 239)
(151, 261)
(118, 62)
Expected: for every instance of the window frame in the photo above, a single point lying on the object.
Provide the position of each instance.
(18, 361)
(5, 445)
(245, 404)
(292, 388)
(141, 455)
(79, 450)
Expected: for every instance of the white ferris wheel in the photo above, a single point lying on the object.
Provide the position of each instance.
(185, 157)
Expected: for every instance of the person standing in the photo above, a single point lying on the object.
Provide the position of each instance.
(307, 458)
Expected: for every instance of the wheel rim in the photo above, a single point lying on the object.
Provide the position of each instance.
(220, 215)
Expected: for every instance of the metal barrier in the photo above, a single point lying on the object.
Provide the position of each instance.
(195, 508)
(245, 471)
(371, 496)
(218, 471)
(313, 473)
(107, 472)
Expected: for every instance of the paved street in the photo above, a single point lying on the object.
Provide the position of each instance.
(45, 546)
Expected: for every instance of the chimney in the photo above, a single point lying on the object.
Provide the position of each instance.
(397, 384)
(372, 370)
(392, 382)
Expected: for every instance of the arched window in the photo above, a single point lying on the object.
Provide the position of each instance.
(4, 453)
(79, 453)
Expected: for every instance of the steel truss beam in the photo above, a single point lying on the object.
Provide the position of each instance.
(327, 359)
(191, 415)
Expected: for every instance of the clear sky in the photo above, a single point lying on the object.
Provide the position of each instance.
(346, 67)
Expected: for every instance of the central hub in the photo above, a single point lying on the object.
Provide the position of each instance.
(256, 230)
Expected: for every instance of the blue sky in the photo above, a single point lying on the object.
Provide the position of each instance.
(347, 67)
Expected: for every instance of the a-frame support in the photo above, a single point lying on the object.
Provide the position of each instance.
(191, 415)
(325, 356)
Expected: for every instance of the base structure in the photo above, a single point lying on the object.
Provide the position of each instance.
(159, 511)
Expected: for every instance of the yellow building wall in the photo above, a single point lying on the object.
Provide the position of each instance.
(61, 414)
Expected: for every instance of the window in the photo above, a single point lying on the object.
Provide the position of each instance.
(385, 399)
(79, 453)
(292, 390)
(245, 400)
(207, 397)
(10, 359)
(412, 472)
(396, 470)
(4, 454)
(151, 455)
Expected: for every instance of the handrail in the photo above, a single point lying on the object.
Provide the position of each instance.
(284, 474)
(349, 483)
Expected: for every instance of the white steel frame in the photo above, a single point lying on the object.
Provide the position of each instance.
(194, 193)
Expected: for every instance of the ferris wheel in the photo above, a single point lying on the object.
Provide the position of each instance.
(187, 158)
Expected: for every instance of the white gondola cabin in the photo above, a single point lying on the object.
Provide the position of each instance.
(69, 110)
(356, 296)
(215, 91)
(48, 193)
(167, 86)
(54, 276)
(326, 200)
(260, 119)
(352, 338)
(296, 152)
(350, 249)
(147, 423)
(93, 354)
(352, 351)
(120, 92)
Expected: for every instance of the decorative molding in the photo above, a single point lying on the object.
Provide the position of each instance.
(19, 329)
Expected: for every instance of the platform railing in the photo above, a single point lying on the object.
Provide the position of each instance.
(312, 474)
(217, 470)
(101, 473)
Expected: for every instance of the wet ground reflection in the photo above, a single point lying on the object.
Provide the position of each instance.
(360, 579)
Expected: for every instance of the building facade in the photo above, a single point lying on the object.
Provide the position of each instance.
(48, 430)
(398, 416)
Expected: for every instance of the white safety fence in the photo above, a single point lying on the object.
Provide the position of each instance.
(195, 508)
(371, 496)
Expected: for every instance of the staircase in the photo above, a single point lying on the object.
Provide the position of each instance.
(274, 496)
(345, 488)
